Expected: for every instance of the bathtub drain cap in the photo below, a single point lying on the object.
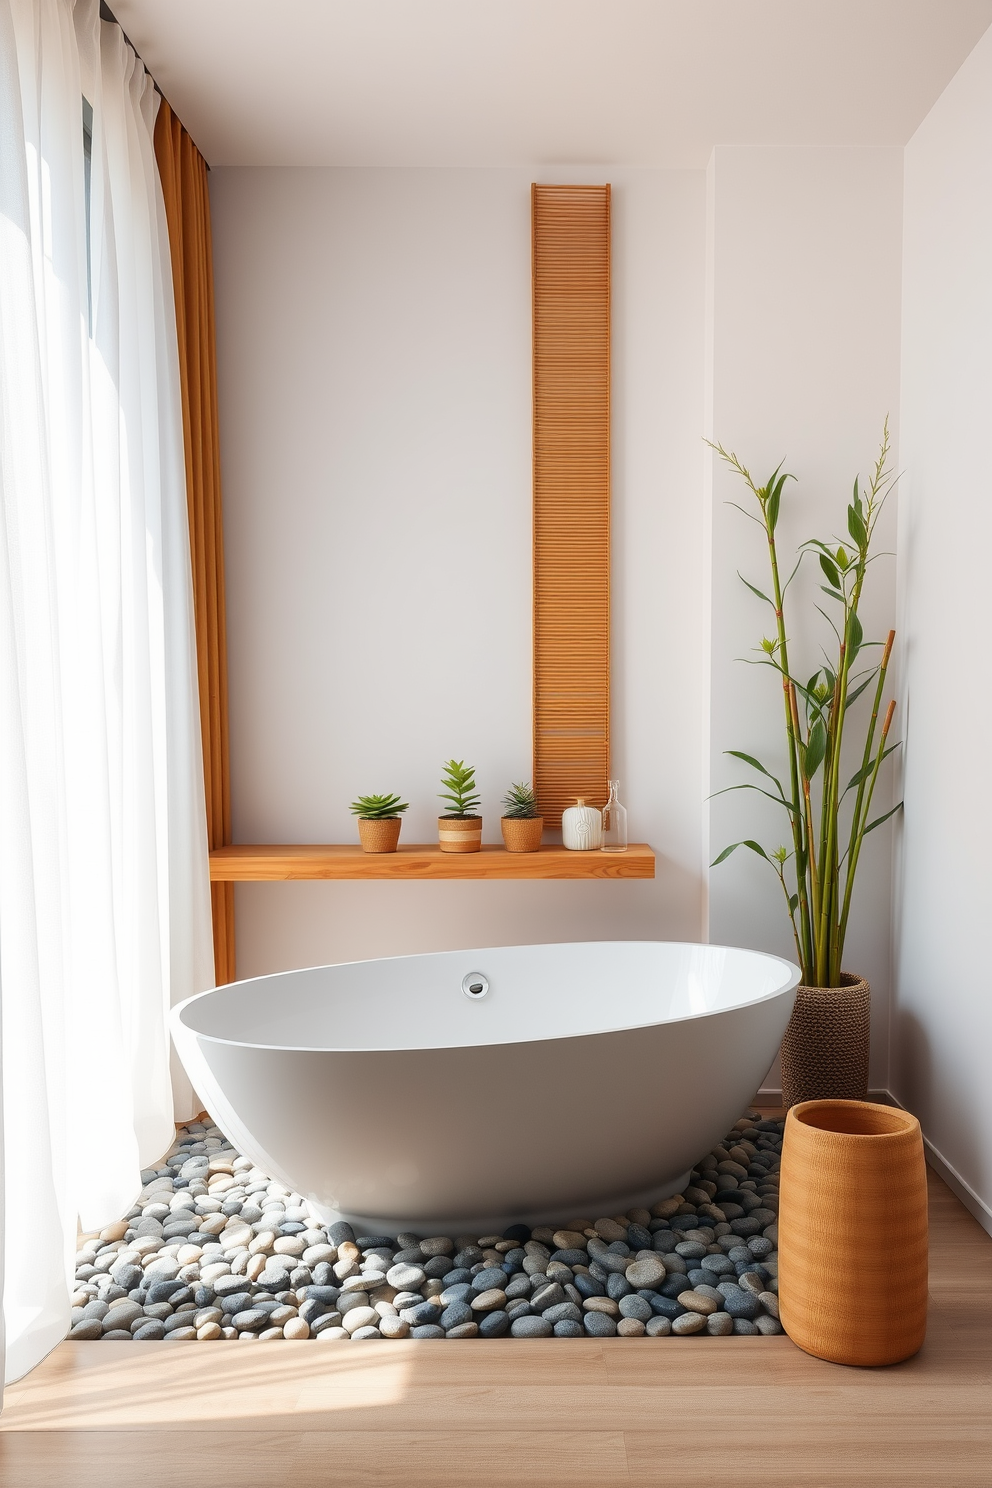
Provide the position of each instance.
(475, 985)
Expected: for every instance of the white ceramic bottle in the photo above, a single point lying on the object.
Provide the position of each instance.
(614, 822)
(581, 827)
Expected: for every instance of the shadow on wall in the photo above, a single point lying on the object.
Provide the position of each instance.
(915, 1084)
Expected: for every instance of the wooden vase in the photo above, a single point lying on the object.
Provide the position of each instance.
(852, 1232)
(459, 834)
(521, 833)
(379, 834)
(826, 1045)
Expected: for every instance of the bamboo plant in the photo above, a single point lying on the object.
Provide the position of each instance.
(827, 828)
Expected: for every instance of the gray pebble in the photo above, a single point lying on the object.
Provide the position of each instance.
(720, 1265)
(635, 1307)
(658, 1327)
(489, 1277)
(127, 1276)
(552, 1295)
(426, 1330)
(121, 1315)
(569, 1329)
(531, 1327)
(425, 1315)
(150, 1330)
(740, 1304)
(455, 1314)
(566, 1312)
(462, 1291)
(744, 1327)
(87, 1328)
(250, 1320)
(494, 1325)
(598, 1325)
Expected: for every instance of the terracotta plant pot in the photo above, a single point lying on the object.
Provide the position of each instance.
(521, 833)
(825, 1048)
(459, 833)
(852, 1232)
(379, 834)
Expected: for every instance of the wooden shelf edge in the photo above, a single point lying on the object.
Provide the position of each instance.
(282, 863)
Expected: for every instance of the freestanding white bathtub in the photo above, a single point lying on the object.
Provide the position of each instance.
(467, 1090)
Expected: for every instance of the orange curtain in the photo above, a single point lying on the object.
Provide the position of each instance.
(187, 206)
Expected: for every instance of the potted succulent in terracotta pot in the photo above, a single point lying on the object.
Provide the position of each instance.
(460, 829)
(825, 787)
(379, 822)
(521, 822)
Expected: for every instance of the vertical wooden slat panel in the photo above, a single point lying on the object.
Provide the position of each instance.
(571, 309)
(183, 173)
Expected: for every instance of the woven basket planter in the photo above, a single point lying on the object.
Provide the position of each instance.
(825, 1048)
(379, 834)
(459, 834)
(852, 1232)
(521, 833)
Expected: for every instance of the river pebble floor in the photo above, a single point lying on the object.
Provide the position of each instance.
(215, 1249)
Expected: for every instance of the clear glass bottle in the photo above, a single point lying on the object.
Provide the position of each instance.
(614, 822)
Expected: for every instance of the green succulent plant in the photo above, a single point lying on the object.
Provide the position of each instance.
(461, 792)
(378, 808)
(520, 803)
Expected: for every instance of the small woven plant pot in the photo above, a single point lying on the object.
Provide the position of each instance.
(852, 1232)
(379, 834)
(521, 833)
(825, 1048)
(459, 833)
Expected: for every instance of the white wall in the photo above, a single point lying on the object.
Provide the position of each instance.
(374, 350)
(374, 344)
(942, 1019)
(804, 248)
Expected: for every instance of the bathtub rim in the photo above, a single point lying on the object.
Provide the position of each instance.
(184, 1030)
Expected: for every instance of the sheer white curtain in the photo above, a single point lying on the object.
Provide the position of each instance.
(104, 893)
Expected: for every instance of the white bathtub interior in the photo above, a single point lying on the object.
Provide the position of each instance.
(535, 992)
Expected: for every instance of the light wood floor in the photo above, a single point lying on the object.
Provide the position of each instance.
(698, 1413)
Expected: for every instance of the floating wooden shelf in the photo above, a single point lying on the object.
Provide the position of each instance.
(273, 864)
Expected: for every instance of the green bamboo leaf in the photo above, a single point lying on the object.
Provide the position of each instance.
(749, 759)
(773, 503)
(815, 749)
(756, 848)
(855, 635)
(858, 507)
(834, 593)
(880, 819)
(756, 591)
(830, 569)
(867, 769)
(856, 527)
(853, 696)
(793, 903)
(790, 806)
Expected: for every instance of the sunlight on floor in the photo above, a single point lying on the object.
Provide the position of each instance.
(194, 1383)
